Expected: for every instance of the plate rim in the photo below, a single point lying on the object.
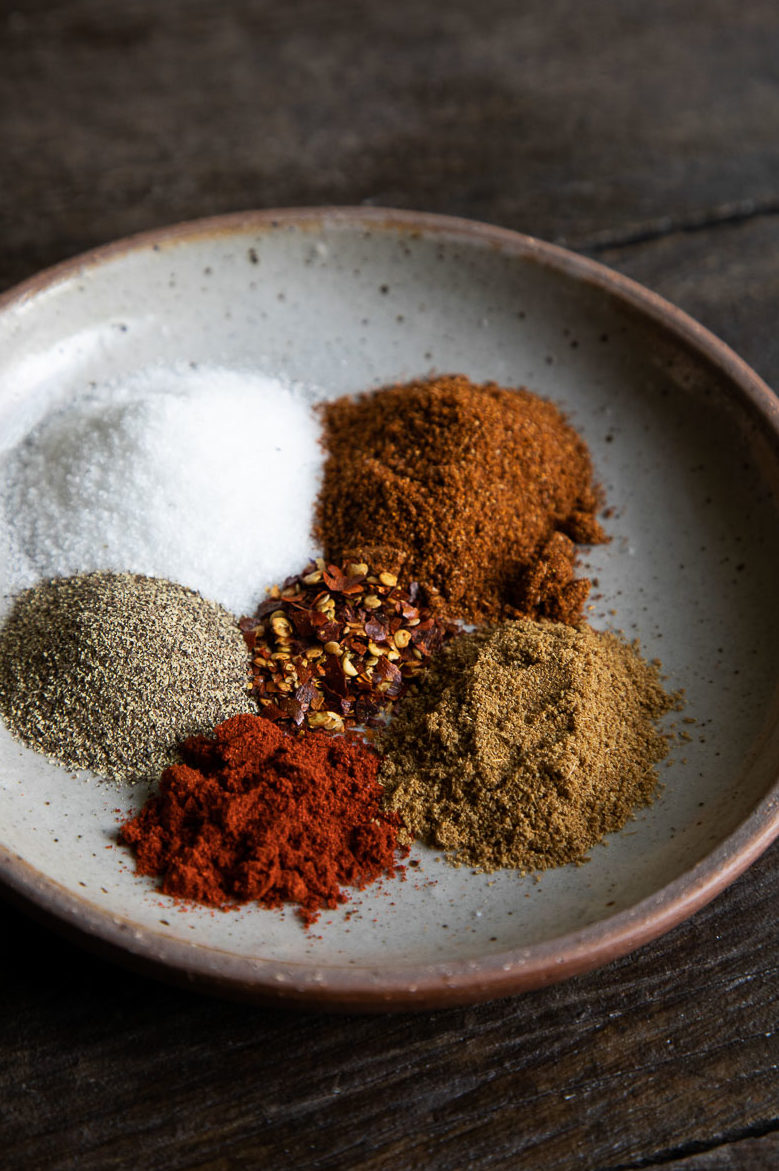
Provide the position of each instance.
(417, 986)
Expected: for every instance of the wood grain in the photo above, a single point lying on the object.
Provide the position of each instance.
(669, 1052)
(581, 123)
(727, 277)
(647, 136)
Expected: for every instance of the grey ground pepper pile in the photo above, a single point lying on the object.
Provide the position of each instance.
(110, 671)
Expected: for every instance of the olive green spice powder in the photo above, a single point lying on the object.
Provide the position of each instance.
(110, 671)
(525, 744)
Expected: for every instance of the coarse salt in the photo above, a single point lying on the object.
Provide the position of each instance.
(203, 476)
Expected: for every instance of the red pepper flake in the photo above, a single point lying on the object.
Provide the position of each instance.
(338, 644)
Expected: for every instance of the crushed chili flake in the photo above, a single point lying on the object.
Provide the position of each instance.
(339, 644)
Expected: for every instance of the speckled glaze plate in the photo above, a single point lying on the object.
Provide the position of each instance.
(685, 440)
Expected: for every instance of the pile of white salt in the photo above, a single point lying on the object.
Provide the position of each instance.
(205, 476)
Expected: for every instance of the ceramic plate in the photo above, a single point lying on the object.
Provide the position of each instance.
(685, 440)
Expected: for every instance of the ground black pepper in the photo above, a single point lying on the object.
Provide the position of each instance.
(109, 671)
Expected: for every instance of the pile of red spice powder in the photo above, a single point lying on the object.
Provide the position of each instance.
(256, 814)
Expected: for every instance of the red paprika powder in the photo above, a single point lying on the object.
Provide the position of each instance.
(256, 814)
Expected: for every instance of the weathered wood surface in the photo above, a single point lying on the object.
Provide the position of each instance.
(645, 135)
(664, 1055)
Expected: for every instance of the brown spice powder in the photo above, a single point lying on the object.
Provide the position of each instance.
(525, 744)
(483, 491)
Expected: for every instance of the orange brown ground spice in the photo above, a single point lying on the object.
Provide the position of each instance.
(256, 814)
(484, 493)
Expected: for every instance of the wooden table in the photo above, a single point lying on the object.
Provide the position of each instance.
(646, 135)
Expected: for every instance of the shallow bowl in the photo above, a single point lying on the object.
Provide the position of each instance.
(685, 440)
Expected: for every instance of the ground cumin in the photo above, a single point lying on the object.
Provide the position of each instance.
(483, 491)
(526, 743)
